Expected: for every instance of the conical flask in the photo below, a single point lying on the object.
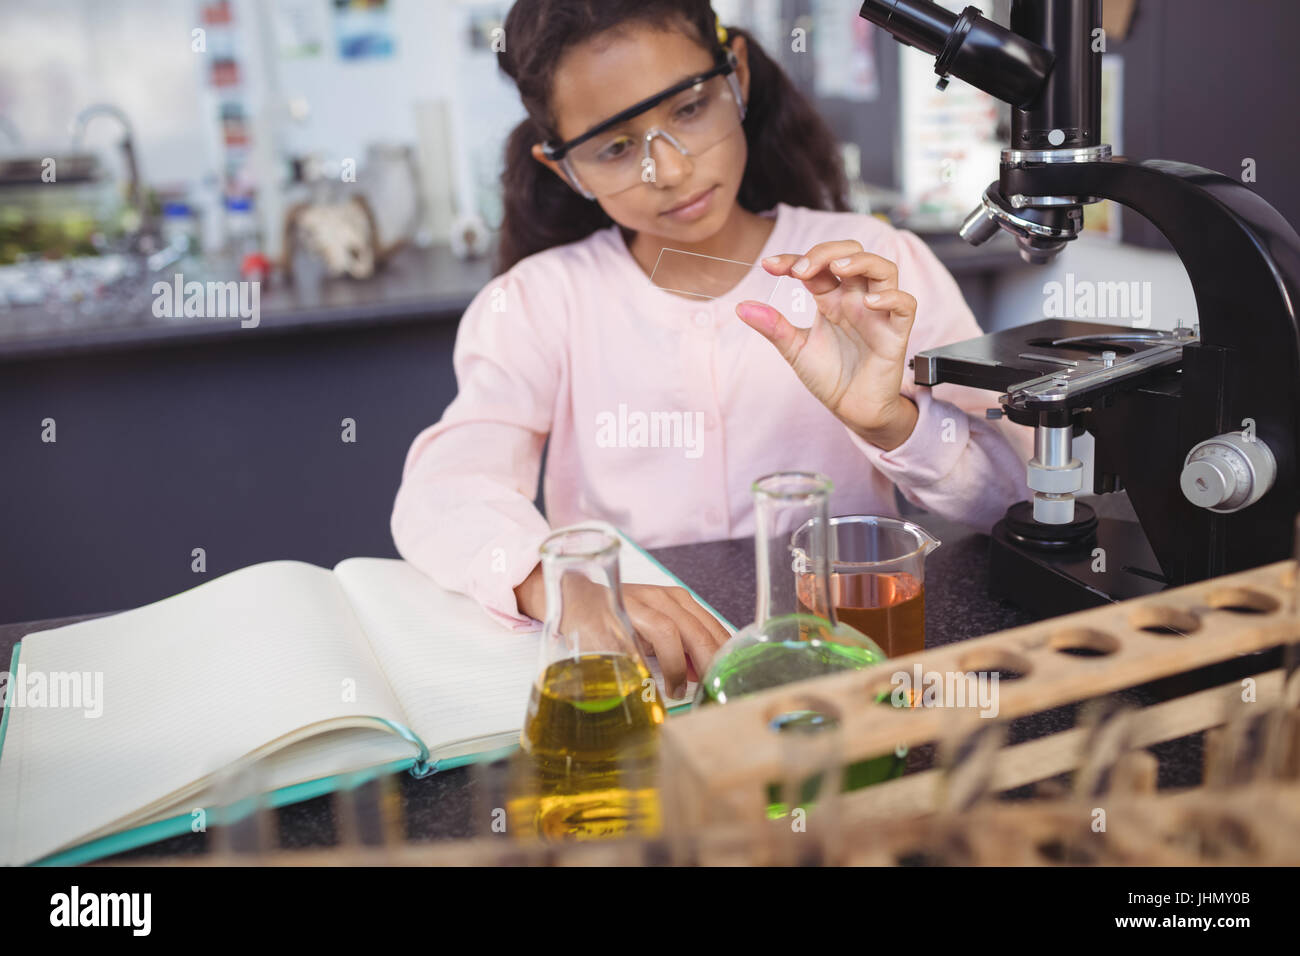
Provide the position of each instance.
(794, 635)
(591, 727)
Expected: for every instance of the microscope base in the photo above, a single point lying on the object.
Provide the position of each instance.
(1060, 582)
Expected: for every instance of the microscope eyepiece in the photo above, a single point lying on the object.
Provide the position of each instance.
(967, 46)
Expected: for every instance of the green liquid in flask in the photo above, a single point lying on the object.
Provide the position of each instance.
(792, 648)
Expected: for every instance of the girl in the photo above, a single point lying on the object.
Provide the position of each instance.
(658, 147)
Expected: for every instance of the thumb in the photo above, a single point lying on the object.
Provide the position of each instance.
(774, 327)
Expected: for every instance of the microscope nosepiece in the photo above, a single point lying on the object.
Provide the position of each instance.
(1037, 251)
(1040, 232)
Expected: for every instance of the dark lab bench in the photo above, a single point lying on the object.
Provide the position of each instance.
(176, 434)
(448, 805)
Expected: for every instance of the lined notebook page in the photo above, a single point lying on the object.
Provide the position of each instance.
(190, 684)
(459, 674)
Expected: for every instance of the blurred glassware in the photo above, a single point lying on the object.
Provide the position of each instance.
(78, 218)
(242, 236)
(392, 188)
(180, 226)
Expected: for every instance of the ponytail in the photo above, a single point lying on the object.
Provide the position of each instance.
(541, 211)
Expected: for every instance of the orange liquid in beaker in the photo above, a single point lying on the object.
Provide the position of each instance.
(888, 608)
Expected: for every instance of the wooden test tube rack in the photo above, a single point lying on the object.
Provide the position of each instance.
(718, 762)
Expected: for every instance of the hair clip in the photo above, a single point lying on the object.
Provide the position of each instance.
(722, 31)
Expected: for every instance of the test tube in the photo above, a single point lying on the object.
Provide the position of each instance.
(1278, 750)
(370, 812)
(679, 826)
(1101, 793)
(970, 756)
(244, 822)
(1283, 747)
(1291, 653)
(1108, 737)
(495, 784)
(812, 778)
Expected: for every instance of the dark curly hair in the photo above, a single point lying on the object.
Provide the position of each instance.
(792, 154)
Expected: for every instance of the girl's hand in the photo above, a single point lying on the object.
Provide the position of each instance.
(853, 355)
(672, 627)
(670, 624)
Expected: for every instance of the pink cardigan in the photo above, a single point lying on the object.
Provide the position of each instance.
(662, 410)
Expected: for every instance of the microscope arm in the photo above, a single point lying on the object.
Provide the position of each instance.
(1239, 383)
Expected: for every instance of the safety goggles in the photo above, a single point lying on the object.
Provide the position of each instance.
(693, 116)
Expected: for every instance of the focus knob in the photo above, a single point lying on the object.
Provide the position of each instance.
(1228, 472)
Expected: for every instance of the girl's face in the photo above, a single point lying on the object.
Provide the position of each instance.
(690, 197)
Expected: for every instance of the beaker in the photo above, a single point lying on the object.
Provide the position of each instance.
(593, 715)
(877, 576)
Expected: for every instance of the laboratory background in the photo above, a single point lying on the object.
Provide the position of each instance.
(345, 156)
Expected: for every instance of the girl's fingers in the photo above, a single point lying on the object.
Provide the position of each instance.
(900, 305)
(661, 631)
(818, 282)
(815, 259)
(882, 272)
(717, 633)
(836, 266)
(695, 634)
(780, 265)
(783, 265)
(813, 262)
(774, 327)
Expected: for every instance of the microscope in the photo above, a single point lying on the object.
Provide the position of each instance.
(1199, 425)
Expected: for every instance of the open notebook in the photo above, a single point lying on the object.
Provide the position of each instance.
(320, 674)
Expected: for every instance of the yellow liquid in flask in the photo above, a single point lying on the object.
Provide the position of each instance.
(591, 736)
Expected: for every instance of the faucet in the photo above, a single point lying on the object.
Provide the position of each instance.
(135, 195)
